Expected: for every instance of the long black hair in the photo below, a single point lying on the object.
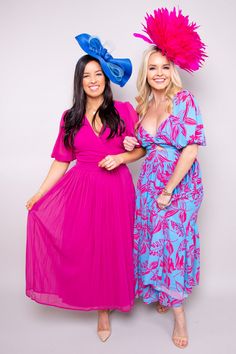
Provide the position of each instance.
(74, 117)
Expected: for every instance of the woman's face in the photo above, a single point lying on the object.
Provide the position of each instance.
(93, 80)
(158, 71)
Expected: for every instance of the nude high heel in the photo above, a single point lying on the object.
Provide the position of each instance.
(104, 334)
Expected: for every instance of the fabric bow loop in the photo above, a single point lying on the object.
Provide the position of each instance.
(96, 46)
(116, 70)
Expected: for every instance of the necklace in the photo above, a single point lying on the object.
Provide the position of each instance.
(97, 125)
(91, 111)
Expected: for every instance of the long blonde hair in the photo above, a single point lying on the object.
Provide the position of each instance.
(144, 89)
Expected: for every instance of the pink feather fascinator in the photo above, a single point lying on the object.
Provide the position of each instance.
(176, 37)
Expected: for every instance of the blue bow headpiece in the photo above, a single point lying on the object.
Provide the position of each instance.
(117, 70)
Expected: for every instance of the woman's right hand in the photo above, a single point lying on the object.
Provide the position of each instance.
(33, 200)
(130, 142)
(56, 172)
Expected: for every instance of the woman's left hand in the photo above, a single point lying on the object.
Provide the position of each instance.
(110, 162)
(163, 201)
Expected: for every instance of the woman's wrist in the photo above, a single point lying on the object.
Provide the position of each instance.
(121, 159)
(40, 193)
(167, 191)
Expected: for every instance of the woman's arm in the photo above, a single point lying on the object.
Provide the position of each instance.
(186, 159)
(56, 171)
(112, 161)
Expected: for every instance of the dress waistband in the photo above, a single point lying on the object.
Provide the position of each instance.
(163, 147)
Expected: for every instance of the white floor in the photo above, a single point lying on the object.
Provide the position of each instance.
(30, 328)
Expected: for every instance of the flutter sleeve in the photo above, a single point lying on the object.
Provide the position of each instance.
(131, 119)
(191, 130)
(60, 152)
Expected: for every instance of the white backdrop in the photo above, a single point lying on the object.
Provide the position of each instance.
(38, 57)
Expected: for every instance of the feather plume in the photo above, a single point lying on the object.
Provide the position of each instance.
(176, 37)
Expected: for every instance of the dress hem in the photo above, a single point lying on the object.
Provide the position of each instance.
(77, 308)
(139, 293)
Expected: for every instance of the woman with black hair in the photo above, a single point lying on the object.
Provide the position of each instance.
(80, 223)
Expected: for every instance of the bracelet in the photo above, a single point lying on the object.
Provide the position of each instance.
(165, 192)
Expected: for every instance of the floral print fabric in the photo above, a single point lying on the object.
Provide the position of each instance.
(166, 244)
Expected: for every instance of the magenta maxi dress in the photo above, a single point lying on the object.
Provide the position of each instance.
(80, 233)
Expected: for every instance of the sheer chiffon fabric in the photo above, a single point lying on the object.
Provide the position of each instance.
(80, 233)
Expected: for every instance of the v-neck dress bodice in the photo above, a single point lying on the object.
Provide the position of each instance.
(167, 241)
(80, 233)
(90, 147)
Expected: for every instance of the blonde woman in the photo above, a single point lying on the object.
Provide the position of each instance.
(169, 189)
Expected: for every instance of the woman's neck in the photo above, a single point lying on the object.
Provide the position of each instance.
(93, 103)
(158, 97)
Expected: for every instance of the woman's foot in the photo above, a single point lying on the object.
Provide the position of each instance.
(180, 334)
(104, 330)
(161, 308)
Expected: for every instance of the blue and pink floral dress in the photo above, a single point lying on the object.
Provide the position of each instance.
(166, 245)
